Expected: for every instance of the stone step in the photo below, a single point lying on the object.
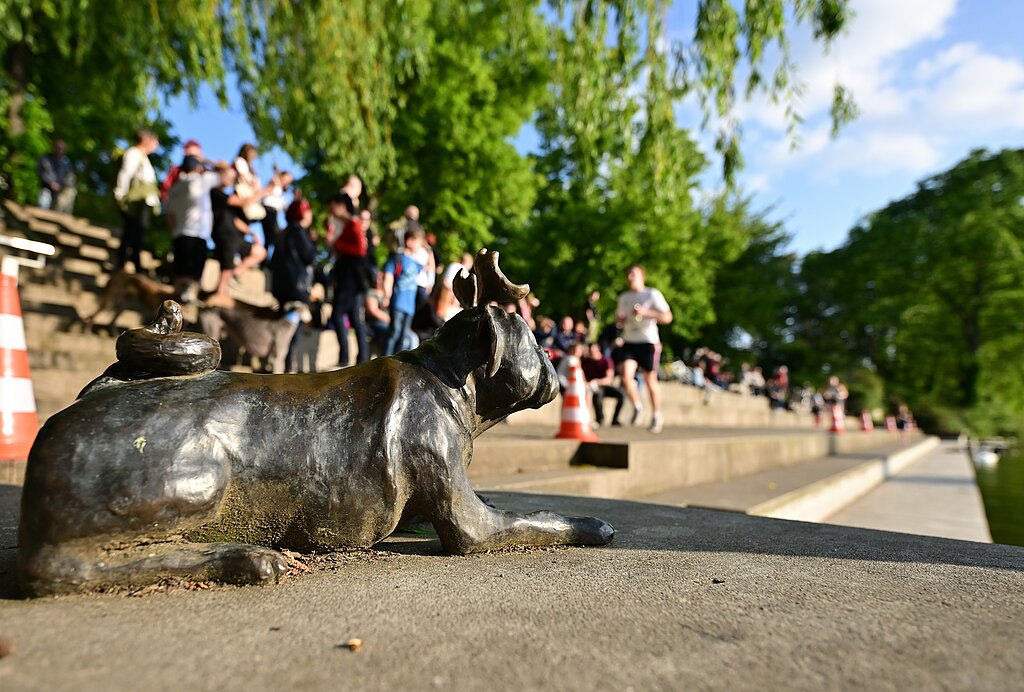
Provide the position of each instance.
(71, 360)
(58, 388)
(679, 458)
(584, 482)
(811, 491)
(74, 224)
(507, 457)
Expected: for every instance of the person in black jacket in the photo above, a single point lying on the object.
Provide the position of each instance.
(293, 260)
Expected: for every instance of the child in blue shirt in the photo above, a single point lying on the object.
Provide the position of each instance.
(400, 273)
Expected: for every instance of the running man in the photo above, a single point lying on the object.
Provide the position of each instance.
(640, 311)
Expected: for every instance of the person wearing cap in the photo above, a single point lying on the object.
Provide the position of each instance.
(190, 213)
(292, 263)
(192, 149)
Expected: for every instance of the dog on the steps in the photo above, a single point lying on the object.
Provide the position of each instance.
(125, 290)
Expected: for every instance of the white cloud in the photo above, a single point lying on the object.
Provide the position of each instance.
(972, 88)
(913, 103)
(882, 153)
(864, 60)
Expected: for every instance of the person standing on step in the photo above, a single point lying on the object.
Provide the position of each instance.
(137, 195)
(640, 310)
(347, 240)
(400, 288)
(190, 212)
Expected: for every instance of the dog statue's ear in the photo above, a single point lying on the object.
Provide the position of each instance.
(464, 288)
(489, 335)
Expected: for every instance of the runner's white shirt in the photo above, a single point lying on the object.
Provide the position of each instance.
(643, 330)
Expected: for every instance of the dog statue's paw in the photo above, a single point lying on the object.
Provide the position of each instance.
(250, 564)
(593, 531)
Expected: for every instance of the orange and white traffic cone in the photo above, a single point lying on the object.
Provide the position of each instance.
(18, 420)
(866, 424)
(575, 414)
(838, 419)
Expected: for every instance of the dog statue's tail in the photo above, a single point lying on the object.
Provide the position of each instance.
(159, 350)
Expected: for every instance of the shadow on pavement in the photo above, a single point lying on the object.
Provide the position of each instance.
(644, 526)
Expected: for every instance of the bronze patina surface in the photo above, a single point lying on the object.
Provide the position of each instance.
(164, 467)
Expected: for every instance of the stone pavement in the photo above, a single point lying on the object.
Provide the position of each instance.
(683, 599)
(935, 496)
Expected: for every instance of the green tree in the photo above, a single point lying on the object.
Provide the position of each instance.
(620, 174)
(90, 72)
(927, 290)
(489, 69)
(754, 295)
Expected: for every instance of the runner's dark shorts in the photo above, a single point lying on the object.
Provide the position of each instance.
(645, 355)
(189, 257)
(228, 245)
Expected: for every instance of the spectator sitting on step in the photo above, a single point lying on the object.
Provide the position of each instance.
(700, 377)
(564, 339)
(582, 332)
(753, 379)
(447, 304)
(57, 180)
(562, 369)
(600, 375)
(378, 319)
(778, 389)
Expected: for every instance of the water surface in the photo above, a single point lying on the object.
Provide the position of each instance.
(1002, 489)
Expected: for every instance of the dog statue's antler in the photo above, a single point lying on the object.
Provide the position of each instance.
(486, 283)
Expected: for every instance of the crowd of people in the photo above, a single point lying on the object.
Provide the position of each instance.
(386, 283)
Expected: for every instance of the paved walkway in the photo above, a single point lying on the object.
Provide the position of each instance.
(935, 496)
(682, 599)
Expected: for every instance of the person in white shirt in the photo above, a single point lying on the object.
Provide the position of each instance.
(447, 305)
(274, 205)
(640, 310)
(190, 207)
(137, 195)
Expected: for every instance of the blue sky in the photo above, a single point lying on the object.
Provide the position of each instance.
(933, 79)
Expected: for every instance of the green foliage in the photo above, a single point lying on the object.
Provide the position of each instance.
(754, 293)
(928, 292)
(724, 36)
(867, 391)
(619, 174)
(488, 72)
(321, 80)
(89, 72)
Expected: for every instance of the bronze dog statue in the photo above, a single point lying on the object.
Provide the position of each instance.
(176, 470)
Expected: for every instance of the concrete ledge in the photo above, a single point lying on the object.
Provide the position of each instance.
(682, 599)
(818, 501)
